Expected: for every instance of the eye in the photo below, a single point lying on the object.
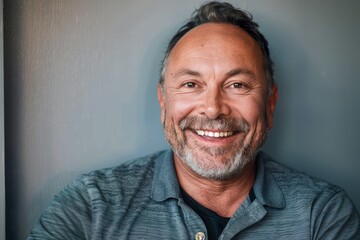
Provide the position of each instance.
(190, 85)
(237, 85)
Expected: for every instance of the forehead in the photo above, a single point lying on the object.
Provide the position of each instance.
(216, 41)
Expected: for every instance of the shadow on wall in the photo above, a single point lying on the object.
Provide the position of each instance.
(315, 124)
(13, 88)
(151, 122)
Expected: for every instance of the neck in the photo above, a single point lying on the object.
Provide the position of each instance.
(222, 197)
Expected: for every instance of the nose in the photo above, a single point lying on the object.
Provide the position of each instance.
(214, 104)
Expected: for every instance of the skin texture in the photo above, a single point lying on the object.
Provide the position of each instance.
(215, 81)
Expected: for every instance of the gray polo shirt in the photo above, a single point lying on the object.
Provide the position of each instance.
(141, 200)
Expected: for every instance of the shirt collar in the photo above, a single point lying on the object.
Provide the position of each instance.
(165, 184)
(266, 189)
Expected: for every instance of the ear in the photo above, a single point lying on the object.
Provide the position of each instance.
(271, 103)
(161, 99)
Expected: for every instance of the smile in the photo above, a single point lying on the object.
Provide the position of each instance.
(214, 133)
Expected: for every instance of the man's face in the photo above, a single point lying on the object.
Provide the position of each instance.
(215, 104)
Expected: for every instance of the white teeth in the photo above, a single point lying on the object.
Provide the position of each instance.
(213, 134)
(200, 132)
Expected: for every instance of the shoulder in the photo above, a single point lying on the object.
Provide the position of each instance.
(71, 213)
(326, 207)
(296, 183)
(131, 169)
(112, 183)
(298, 189)
(120, 179)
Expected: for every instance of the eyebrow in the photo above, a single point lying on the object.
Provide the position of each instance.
(231, 73)
(239, 71)
(186, 71)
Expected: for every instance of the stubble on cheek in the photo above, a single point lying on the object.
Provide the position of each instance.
(174, 135)
(257, 140)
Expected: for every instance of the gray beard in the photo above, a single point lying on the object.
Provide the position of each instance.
(234, 167)
(231, 168)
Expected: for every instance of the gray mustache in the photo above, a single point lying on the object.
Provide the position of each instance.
(223, 124)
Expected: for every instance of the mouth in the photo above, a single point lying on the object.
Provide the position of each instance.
(214, 134)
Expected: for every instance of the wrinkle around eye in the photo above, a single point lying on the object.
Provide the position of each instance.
(183, 90)
(190, 85)
(247, 90)
(238, 87)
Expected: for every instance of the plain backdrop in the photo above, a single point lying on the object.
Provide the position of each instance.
(81, 78)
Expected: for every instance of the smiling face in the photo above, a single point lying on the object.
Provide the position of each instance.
(215, 104)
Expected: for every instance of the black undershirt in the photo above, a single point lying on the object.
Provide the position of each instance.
(214, 223)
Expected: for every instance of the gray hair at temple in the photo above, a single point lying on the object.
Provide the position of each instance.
(217, 12)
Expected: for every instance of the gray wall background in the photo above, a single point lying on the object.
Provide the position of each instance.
(81, 77)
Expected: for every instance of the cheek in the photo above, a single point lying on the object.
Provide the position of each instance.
(252, 110)
(179, 107)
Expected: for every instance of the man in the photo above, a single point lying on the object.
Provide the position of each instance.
(217, 97)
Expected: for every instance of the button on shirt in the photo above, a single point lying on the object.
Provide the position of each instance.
(141, 200)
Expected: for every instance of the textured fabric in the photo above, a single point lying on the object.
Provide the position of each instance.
(141, 200)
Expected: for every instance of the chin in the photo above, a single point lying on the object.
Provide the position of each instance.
(226, 168)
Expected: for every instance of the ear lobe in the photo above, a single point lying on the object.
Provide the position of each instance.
(271, 103)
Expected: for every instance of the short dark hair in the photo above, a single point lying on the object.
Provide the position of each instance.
(221, 12)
